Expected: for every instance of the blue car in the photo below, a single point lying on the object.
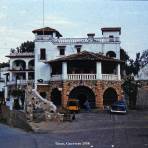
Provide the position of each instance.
(119, 107)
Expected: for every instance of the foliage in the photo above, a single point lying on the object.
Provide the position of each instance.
(123, 55)
(4, 64)
(140, 61)
(136, 64)
(27, 46)
(144, 58)
(16, 93)
(130, 88)
(131, 66)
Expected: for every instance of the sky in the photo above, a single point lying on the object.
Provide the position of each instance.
(74, 18)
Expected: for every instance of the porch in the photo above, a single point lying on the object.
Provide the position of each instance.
(85, 70)
(84, 66)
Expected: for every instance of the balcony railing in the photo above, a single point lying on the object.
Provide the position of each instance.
(76, 40)
(14, 54)
(56, 77)
(21, 70)
(85, 40)
(109, 77)
(19, 82)
(85, 77)
(43, 37)
(81, 76)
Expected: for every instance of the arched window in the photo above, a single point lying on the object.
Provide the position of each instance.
(109, 96)
(56, 97)
(83, 93)
(19, 65)
(111, 54)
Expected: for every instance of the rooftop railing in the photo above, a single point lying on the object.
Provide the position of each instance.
(21, 54)
(77, 40)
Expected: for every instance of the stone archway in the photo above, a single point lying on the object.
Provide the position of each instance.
(83, 93)
(110, 96)
(56, 97)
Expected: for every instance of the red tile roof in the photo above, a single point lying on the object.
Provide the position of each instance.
(47, 30)
(111, 29)
(83, 56)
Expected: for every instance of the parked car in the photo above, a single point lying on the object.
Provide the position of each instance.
(119, 107)
(73, 105)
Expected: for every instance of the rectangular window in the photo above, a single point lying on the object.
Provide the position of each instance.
(42, 54)
(111, 38)
(78, 50)
(62, 51)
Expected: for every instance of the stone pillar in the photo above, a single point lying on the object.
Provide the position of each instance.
(64, 95)
(118, 72)
(64, 71)
(99, 96)
(98, 71)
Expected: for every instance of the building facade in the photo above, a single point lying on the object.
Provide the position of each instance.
(3, 72)
(82, 68)
(20, 72)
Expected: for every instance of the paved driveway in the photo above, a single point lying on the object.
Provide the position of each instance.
(99, 130)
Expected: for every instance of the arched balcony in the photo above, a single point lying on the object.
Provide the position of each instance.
(21, 71)
(18, 65)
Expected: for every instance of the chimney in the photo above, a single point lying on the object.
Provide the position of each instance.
(90, 36)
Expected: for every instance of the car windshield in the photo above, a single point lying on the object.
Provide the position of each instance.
(119, 103)
(72, 103)
(118, 107)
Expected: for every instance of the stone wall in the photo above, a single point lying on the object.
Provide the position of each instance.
(98, 88)
(142, 97)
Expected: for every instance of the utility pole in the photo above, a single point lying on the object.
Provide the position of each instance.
(43, 16)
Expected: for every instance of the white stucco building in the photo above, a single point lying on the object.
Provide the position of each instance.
(3, 72)
(51, 46)
(20, 72)
(88, 68)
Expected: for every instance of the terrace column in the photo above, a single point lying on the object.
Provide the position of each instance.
(64, 71)
(10, 76)
(27, 64)
(50, 71)
(27, 76)
(11, 64)
(118, 72)
(6, 92)
(98, 71)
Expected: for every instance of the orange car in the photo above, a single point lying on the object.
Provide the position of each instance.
(73, 105)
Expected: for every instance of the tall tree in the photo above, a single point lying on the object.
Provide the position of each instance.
(136, 64)
(144, 58)
(4, 64)
(27, 46)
